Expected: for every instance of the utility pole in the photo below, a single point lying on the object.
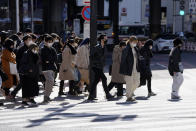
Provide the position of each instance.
(174, 16)
(93, 33)
(32, 16)
(116, 21)
(17, 17)
(155, 17)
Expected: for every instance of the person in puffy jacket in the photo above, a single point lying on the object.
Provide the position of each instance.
(146, 73)
(175, 68)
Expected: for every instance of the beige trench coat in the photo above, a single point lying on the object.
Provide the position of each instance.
(67, 69)
(82, 61)
(116, 58)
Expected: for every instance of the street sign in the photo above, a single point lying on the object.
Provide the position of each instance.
(86, 13)
(86, 2)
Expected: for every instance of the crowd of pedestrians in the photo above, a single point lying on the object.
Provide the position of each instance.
(27, 59)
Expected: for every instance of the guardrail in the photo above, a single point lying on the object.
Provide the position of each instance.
(189, 46)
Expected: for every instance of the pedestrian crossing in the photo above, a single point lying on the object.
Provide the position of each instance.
(158, 113)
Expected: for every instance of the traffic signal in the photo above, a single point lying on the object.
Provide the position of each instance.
(182, 3)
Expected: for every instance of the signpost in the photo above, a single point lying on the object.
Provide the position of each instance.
(86, 13)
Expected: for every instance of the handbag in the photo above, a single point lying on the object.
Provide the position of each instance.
(13, 69)
(77, 75)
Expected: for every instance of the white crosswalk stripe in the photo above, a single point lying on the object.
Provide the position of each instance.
(153, 114)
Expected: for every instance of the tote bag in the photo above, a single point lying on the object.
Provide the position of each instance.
(13, 69)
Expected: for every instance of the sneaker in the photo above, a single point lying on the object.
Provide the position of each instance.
(46, 99)
(175, 97)
(151, 94)
(131, 99)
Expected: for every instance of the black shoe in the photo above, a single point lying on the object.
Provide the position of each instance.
(1, 103)
(109, 96)
(33, 101)
(62, 94)
(24, 103)
(92, 99)
(72, 93)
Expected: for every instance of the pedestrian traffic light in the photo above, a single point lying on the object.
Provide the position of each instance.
(182, 12)
(182, 2)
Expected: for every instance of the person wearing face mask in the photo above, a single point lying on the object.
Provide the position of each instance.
(117, 79)
(175, 68)
(8, 57)
(29, 72)
(19, 54)
(145, 73)
(67, 68)
(82, 62)
(58, 47)
(48, 60)
(15, 38)
(97, 57)
(129, 67)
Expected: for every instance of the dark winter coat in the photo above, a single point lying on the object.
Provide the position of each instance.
(174, 61)
(48, 58)
(145, 60)
(127, 61)
(29, 65)
(19, 55)
(29, 74)
(97, 56)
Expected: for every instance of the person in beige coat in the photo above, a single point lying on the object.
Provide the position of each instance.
(117, 79)
(67, 68)
(82, 61)
(130, 67)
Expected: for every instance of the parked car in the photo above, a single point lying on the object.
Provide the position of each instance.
(163, 43)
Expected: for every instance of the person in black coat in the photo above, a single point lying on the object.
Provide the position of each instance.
(129, 67)
(48, 60)
(97, 64)
(29, 72)
(146, 73)
(19, 54)
(175, 68)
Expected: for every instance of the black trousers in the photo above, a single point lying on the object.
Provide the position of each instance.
(61, 86)
(16, 90)
(98, 75)
(119, 87)
(149, 85)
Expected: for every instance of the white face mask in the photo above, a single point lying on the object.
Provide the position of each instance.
(134, 44)
(29, 43)
(56, 41)
(150, 47)
(50, 44)
(35, 51)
